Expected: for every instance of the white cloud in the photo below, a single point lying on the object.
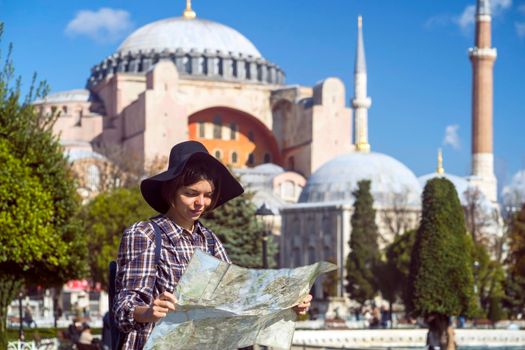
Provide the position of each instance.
(467, 17)
(520, 26)
(451, 136)
(104, 25)
(497, 7)
(520, 29)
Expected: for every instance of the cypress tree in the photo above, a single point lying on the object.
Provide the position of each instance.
(364, 258)
(441, 280)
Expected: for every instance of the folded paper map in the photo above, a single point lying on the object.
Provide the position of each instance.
(223, 306)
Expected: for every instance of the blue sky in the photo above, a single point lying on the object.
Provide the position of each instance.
(419, 75)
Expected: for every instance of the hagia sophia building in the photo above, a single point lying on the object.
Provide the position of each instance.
(187, 78)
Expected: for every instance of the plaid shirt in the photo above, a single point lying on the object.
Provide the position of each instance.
(139, 281)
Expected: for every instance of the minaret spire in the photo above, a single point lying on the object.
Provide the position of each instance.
(188, 12)
(482, 57)
(360, 102)
(440, 169)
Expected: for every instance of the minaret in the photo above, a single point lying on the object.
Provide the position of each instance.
(440, 169)
(361, 102)
(482, 56)
(188, 12)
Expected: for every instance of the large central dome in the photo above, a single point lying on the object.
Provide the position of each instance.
(187, 34)
(335, 180)
(200, 49)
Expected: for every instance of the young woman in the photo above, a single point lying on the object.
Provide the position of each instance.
(194, 183)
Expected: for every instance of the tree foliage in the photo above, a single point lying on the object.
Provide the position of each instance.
(489, 280)
(46, 247)
(364, 258)
(441, 279)
(235, 225)
(105, 219)
(515, 284)
(393, 276)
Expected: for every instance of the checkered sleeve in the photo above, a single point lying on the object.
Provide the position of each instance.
(136, 272)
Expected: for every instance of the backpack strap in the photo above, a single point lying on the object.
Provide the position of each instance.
(210, 241)
(158, 241)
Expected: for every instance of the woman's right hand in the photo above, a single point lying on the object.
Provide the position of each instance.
(159, 309)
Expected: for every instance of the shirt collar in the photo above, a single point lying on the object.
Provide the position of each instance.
(174, 231)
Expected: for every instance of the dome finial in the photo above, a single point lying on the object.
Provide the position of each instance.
(440, 169)
(188, 12)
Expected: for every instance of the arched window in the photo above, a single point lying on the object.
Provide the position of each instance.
(267, 158)
(218, 154)
(202, 129)
(217, 127)
(251, 136)
(233, 131)
(251, 159)
(234, 157)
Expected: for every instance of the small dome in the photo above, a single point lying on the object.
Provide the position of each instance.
(187, 34)
(268, 168)
(336, 179)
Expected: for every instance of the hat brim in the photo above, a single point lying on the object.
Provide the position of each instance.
(151, 187)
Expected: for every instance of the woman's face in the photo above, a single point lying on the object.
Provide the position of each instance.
(191, 201)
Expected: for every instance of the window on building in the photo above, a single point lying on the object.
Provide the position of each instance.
(291, 163)
(287, 190)
(327, 254)
(251, 136)
(251, 159)
(218, 154)
(217, 127)
(296, 257)
(267, 158)
(202, 129)
(234, 157)
(93, 177)
(233, 131)
(311, 255)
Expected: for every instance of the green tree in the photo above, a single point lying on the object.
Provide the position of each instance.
(441, 282)
(489, 280)
(25, 215)
(105, 218)
(364, 258)
(515, 284)
(235, 225)
(56, 254)
(393, 276)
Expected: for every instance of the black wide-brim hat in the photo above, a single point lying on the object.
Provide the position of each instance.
(180, 154)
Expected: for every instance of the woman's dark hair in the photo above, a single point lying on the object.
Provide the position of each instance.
(193, 172)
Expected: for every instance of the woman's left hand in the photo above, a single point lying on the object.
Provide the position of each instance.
(302, 308)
